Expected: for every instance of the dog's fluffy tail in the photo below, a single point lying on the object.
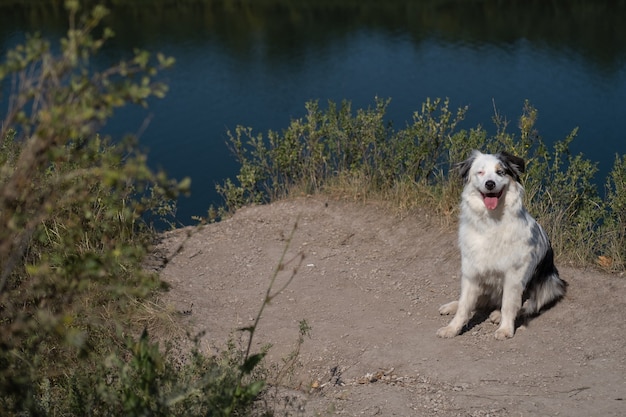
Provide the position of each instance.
(545, 288)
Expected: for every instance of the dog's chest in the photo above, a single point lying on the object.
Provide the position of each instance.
(496, 243)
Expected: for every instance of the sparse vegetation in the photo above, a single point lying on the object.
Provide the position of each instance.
(359, 155)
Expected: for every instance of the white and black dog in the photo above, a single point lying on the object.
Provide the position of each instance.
(507, 262)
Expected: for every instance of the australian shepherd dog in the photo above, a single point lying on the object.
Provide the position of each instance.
(507, 262)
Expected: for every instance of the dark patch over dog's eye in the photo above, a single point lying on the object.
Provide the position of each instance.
(501, 172)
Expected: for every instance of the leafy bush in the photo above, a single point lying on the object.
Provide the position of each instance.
(613, 230)
(332, 144)
(361, 155)
(75, 213)
(72, 237)
(140, 379)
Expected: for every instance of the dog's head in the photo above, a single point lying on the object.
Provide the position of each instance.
(491, 174)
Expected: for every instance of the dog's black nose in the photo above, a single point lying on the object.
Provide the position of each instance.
(490, 185)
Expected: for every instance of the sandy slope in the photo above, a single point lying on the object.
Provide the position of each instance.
(369, 287)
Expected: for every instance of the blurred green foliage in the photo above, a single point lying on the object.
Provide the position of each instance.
(75, 227)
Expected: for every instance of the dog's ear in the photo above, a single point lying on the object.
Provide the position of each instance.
(515, 165)
(465, 166)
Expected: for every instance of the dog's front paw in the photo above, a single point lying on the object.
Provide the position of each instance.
(449, 308)
(504, 333)
(447, 332)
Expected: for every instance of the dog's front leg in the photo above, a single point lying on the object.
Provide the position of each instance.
(466, 305)
(511, 304)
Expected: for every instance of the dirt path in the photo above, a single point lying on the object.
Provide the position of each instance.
(369, 288)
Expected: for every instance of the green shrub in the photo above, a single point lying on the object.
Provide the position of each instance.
(361, 155)
(74, 229)
(612, 244)
(334, 143)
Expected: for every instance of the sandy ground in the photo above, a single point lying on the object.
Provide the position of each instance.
(369, 288)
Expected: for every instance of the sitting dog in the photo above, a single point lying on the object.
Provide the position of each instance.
(507, 262)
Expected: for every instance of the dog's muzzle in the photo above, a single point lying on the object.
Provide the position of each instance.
(491, 200)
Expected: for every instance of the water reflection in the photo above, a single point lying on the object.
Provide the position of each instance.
(594, 29)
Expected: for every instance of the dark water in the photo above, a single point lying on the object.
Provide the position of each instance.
(256, 63)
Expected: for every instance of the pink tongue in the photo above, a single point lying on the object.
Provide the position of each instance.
(491, 202)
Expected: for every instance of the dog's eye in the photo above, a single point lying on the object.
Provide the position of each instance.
(481, 173)
(501, 172)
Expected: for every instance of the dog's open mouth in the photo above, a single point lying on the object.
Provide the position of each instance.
(491, 199)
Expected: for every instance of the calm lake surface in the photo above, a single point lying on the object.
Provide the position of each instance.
(256, 63)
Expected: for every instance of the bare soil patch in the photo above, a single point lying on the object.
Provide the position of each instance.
(369, 287)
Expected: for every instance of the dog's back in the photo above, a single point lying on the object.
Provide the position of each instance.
(545, 286)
